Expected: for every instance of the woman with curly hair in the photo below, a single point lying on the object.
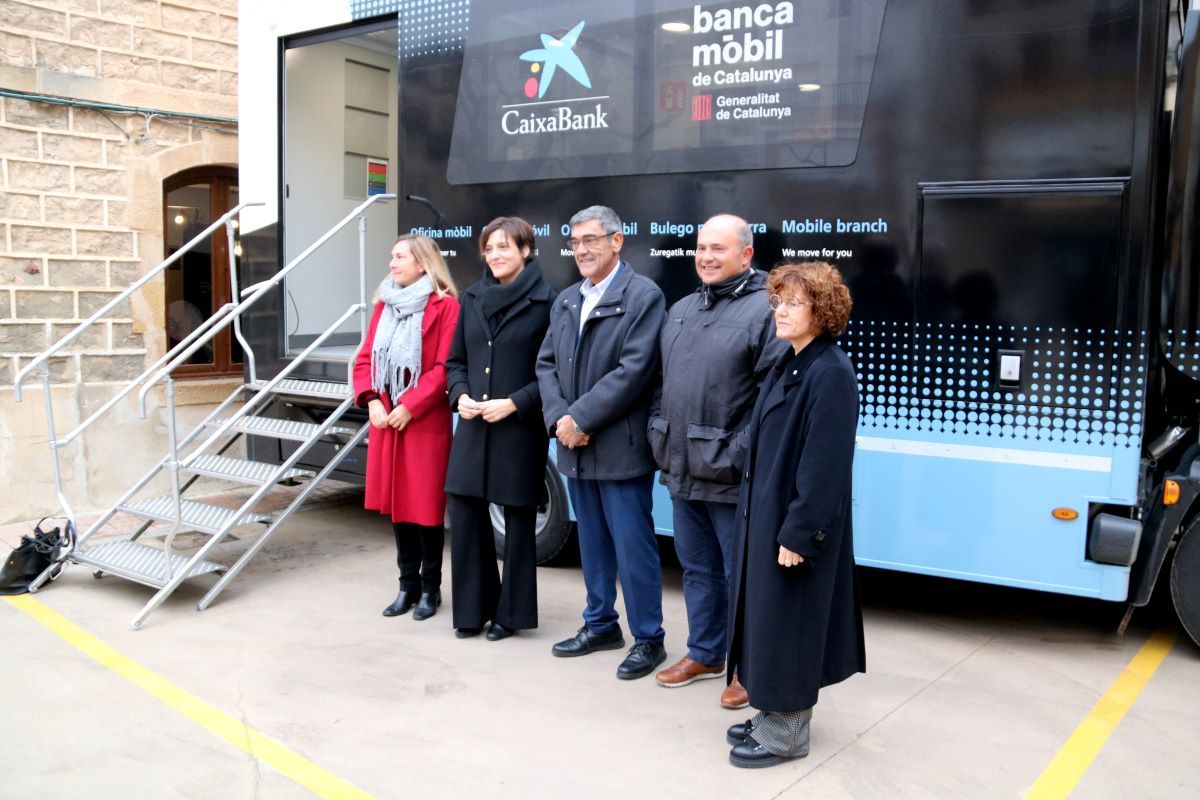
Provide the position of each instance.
(795, 619)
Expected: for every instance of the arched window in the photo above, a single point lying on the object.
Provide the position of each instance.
(198, 284)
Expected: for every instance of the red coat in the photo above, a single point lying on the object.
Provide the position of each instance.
(407, 470)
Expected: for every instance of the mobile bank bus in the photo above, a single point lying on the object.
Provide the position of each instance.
(1009, 189)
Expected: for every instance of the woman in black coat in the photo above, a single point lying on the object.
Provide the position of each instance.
(795, 618)
(500, 445)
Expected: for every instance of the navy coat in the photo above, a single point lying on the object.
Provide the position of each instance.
(796, 629)
(503, 462)
(605, 376)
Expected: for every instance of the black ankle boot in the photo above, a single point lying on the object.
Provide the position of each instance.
(402, 604)
(427, 605)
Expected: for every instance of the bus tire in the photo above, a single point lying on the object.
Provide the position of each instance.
(1185, 580)
(553, 527)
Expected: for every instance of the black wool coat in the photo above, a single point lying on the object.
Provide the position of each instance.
(796, 629)
(503, 462)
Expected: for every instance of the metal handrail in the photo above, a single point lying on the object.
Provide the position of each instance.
(70, 337)
(257, 291)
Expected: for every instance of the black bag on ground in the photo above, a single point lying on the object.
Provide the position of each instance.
(32, 557)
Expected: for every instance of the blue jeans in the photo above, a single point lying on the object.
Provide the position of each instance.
(616, 537)
(704, 543)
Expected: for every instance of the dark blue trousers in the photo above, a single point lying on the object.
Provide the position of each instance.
(616, 536)
(704, 543)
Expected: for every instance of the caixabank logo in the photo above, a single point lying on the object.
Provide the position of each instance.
(554, 116)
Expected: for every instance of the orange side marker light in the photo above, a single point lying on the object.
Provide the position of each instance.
(1065, 513)
(1170, 493)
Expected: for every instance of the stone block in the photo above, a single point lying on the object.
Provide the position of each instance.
(90, 180)
(115, 151)
(31, 17)
(229, 83)
(93, 339)
(227, 27)
(22, 337)
(6, 371)
(187, 77)
(40, 177)
(72, 272)
(125, 67)
(66, 147)
(35, 115)
(107, 369)
(226, 7)
(87, 120)
(101, 32)
(74, 210)
(90, 6)
(210, 52)
(143, 12)
(166, 134)
(45, 304)
(62, 370)
(109, 244)
(70, 58)
(91, 302)
(19, 143)
(124, 337)
(16, 50)
(123, 273)
(189, 20)
(116, 213)
(28, 271)
(36, 239)
(158, 43)
(15, 206)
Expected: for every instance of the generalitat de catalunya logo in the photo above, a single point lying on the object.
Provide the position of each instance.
(551, 56)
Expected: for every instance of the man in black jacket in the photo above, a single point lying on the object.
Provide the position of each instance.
(596, 371)
(717, 344)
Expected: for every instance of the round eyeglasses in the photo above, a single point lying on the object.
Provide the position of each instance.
(589, 241)
(792, 303)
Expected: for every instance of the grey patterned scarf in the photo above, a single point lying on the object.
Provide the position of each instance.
(396, 352)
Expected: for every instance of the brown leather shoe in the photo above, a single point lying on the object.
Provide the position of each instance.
(735, 695)
(685, 671)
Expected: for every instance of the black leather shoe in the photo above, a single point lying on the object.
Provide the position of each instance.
(643, 658)
(402, 604)
(585, 641)
(427, 605)
(752, 755)
(498, 632)
(738, 733)
(466, 633)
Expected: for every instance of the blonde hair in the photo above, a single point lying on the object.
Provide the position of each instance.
(426, 253)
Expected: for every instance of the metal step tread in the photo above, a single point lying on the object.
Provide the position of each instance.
(282, 428)
(243, 470)
(142, 562)
(197, 516)
(332, 390)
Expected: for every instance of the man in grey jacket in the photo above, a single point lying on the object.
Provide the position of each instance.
(596, 372)
(717, 344)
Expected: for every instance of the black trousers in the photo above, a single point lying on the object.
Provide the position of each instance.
(419, 555)
(479, 594)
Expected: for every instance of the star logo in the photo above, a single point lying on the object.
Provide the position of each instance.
(553, 54)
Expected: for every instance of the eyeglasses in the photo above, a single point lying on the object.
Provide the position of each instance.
(588, 241)
(792, 303)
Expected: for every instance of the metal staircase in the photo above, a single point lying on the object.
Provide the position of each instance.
(191, 460)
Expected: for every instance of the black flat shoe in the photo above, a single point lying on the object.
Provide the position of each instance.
(585, 641)
(498, 632)
(427, 606)
(643, 658)
(403, 603)
(466, 633)
(752, 755)
(738, 733)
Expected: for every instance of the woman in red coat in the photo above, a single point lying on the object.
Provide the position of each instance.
(400, 377)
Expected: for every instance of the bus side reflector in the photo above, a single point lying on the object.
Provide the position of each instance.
(1170, 493)
(1065, 513)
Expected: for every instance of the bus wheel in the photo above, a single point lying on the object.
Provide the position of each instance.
(553, 528)
(1185, 580)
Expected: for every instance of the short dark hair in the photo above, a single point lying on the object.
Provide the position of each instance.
(823, 284)
(519, 232)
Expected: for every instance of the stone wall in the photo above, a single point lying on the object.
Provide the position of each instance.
(81, 218)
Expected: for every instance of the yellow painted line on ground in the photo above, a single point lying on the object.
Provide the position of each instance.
(242, 736)
(1064, 772)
